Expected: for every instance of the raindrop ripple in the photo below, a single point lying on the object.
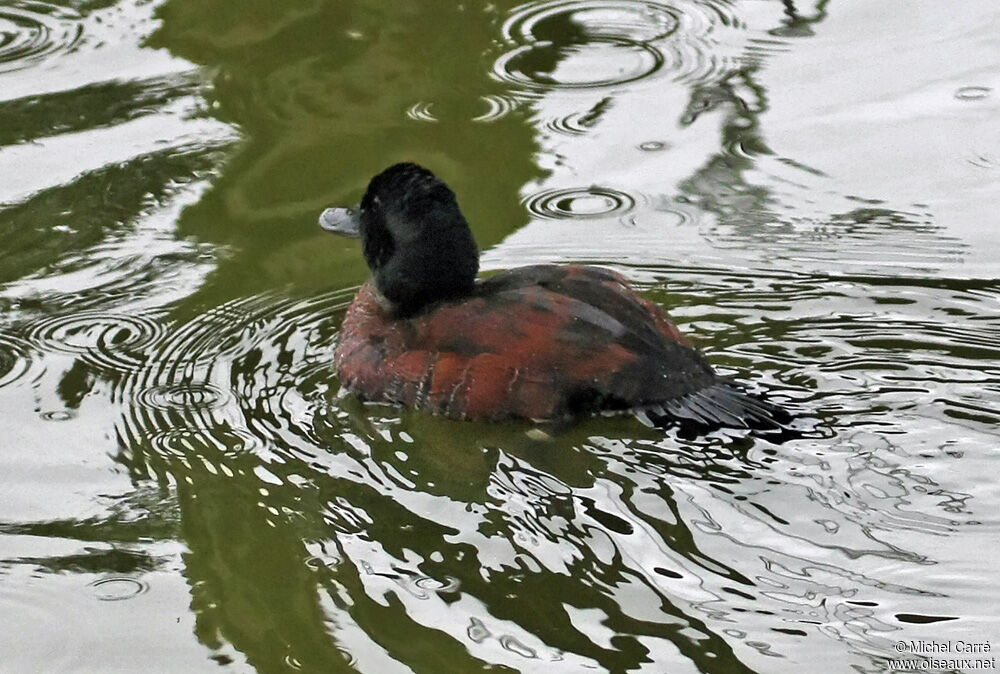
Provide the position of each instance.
(32, 32)
(586, 203)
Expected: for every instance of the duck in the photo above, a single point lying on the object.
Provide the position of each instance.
(539, 342)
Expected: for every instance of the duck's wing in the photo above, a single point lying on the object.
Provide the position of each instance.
(545, 341)
(599, 290)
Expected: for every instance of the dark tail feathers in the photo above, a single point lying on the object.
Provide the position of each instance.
(724, 404)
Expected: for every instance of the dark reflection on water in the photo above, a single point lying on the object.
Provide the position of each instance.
(92, 106)
(179, 449)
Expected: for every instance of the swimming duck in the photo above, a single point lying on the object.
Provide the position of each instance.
(535, 342)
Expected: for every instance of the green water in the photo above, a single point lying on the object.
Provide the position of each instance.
(809, 189)
(320, 95)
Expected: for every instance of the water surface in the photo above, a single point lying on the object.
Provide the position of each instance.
(809, 189)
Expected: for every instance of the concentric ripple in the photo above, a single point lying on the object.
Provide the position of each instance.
(15, 359)
(585, 202)
(58, 415)
(182, 396)
(652, 146)
(574, 124)
(972, 93)
(107, 341)
(421, 112)
(444, 586)
(185, 444)
(584, 44)
(575, 44)
(599, 63)
(630, 20)
(498, 107)
(228, 383)
(117, 588)
(32, 32)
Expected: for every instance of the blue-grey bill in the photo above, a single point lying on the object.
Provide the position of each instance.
(345, 221)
